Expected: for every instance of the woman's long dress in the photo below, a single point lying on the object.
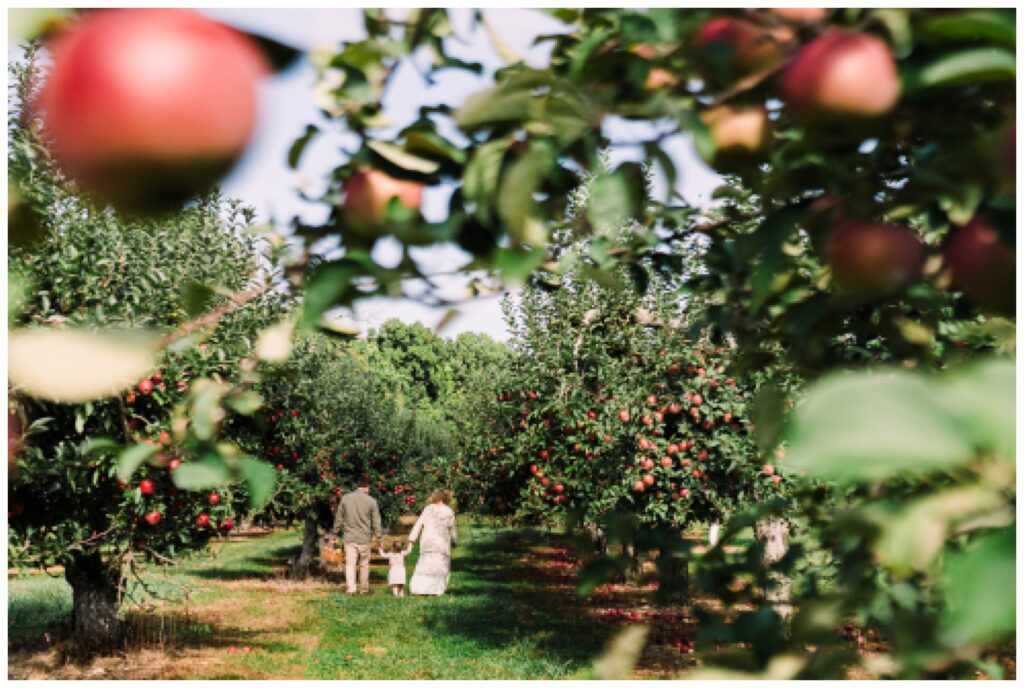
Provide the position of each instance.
(436, 530)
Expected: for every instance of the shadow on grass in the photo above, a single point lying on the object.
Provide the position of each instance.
(506, 602)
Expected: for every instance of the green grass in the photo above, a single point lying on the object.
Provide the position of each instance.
(501, 618)
(497, 621)
(36, 602)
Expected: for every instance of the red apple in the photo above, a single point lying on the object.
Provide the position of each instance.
(740, 46)
(173, 464)
(684, 492)
(672, 448)
(164, 437)
(727, 418)
(203, 520)
(696, 400)
(367, 195)
(871, 259)
(841, 74)
(534, 468)
(804, 15)
(768, 469)
(667, 462)
(737, 133)
(214, 498)
(647, 479)
(543, 454)
(153, 517)
(776, 479)
(545, 481)
(146, 386)
(703, 455)
(147, 487)
(144, 108)
(638, 486)
(624, 416)
(982, 266)
(730, 382)
(559, 488)
(227, 524)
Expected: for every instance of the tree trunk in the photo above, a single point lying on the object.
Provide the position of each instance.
(307, 557)
(713, 531)
(772, 533)
(597, 537)
(94, 612)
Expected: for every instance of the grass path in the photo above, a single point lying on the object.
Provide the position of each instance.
(509, 614)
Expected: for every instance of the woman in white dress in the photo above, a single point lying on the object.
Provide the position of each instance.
(435, 529)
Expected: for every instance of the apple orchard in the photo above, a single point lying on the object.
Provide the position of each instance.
(819, 363)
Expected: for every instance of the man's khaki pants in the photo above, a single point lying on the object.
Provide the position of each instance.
(357, 554)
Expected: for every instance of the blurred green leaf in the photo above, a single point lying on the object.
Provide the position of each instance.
(969, 67)
(980, 584)
(482, 174)
(326, 286)
(208, 472)
(260, 478)
(197, 297)
(515, 265)
(74, 366)
(133, 457)
(982, 398)
(973, 25)
(873, 426)
(516, 205)
(617, 663)
(206, 410)
(914, 533)
(299, 146)
(245, 403)
(402, 158)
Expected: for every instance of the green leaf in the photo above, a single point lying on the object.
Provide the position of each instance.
(197, 297)
(617, 197)
(497, 105)
(978, 25)
(299, 147)
(482, 174)
(873, 426)
(982, 398)
(980, 584)
(208, 472)
(74, 366)
(326, 286)
(206, 410)
(618, 661)
(516, 205)
(133, 457)
(99, 444)
(969, 67)
(275, 342)
(402, 158)
(515, 265)
(260, 478)
(245, 403)
(914, 534)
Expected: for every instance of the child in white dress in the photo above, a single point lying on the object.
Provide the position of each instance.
(396, 566)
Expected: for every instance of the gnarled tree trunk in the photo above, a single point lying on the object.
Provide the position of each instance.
(94, 612)
(773, 533)
(308, 556)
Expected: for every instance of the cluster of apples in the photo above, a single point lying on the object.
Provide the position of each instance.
(838, 79)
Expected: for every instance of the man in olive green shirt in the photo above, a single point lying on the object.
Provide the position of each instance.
(358, 517)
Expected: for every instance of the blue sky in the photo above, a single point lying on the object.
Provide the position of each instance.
(264, 180)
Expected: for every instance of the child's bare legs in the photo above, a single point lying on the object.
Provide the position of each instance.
(398, 590)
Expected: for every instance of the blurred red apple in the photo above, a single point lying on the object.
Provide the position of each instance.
(367, 195)
(739, 45)
(145, 108)
(841, 74)
(738, 131)
(874, 259)
(982, 266)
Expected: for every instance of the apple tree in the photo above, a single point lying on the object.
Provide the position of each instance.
(78, 498)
